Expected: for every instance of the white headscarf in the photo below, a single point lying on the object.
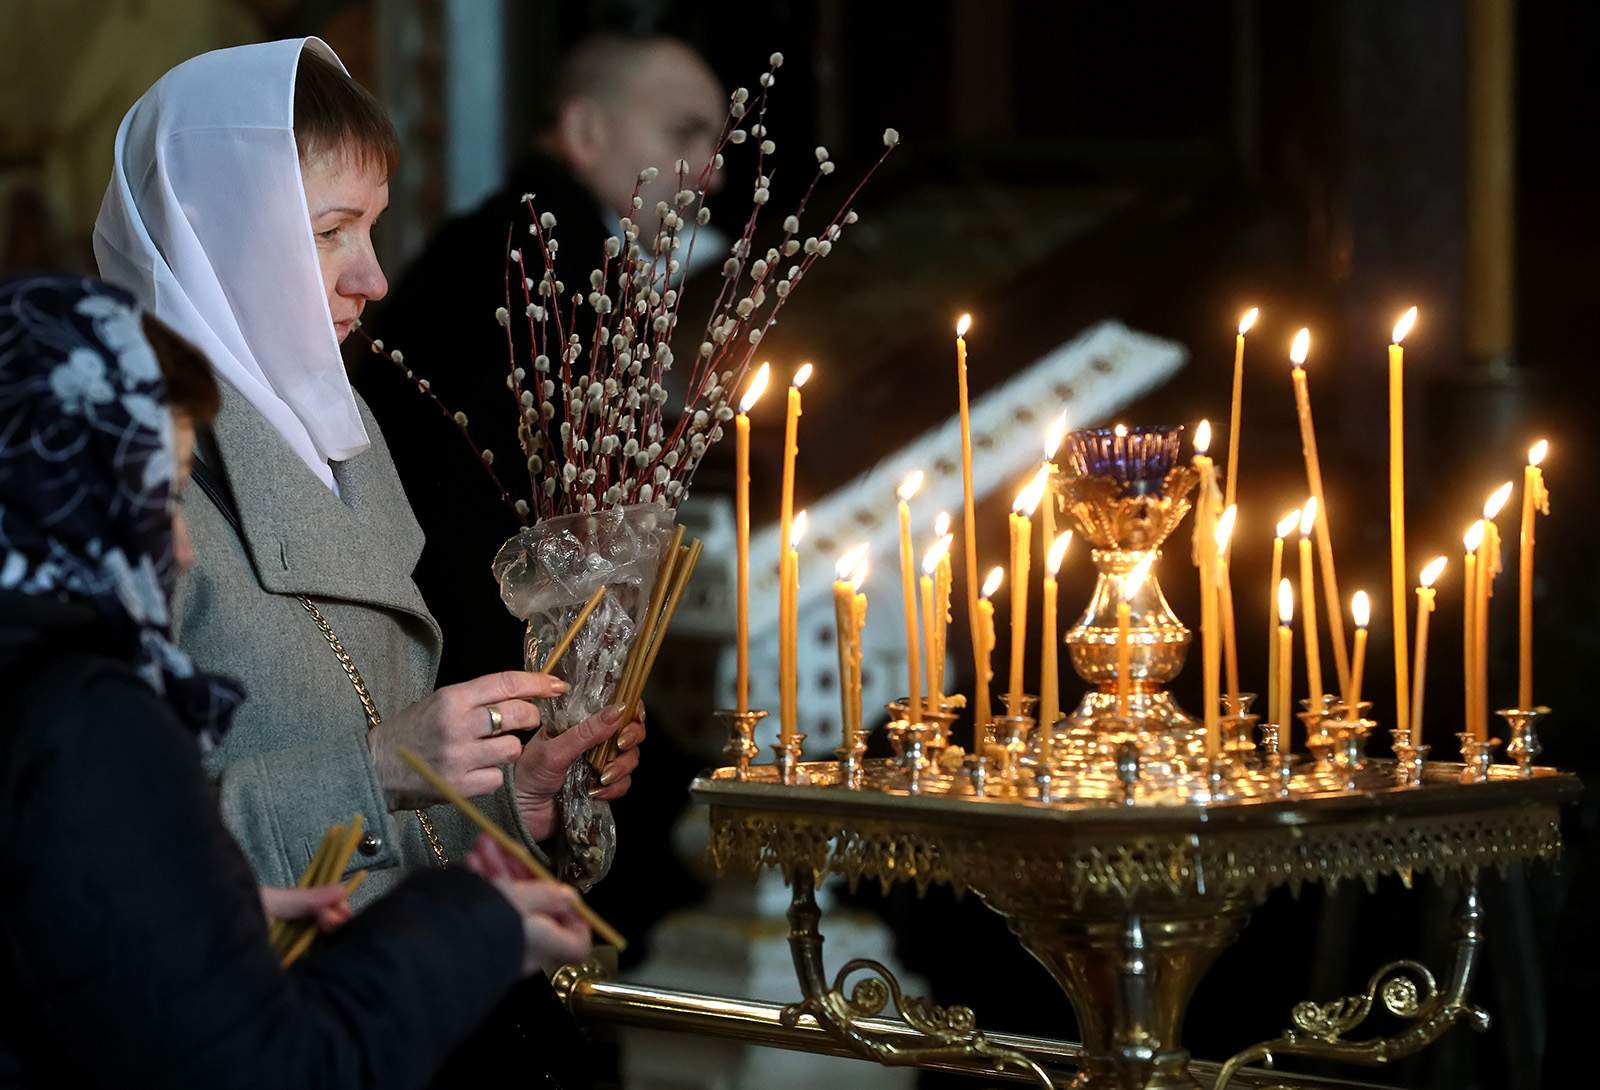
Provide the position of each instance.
(205, 222)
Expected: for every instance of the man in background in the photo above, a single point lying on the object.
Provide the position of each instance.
(614, 106)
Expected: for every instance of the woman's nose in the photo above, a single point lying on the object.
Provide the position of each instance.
(365, 278)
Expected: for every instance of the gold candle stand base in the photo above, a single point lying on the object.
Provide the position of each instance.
(1524, 746)
(741, 747)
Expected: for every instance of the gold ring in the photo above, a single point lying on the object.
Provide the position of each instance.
(496, 720)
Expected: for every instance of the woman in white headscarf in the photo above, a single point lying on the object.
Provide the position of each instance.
(240, 211)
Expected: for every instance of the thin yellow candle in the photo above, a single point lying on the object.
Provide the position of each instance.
(943, 582)
(1053, 437)
(786, 607)
(1205, 556)
(932, 638)
(982, 713)
(1425, 599)
(1397, 513)
(969, 518)
(1049, 664)
(1230, 648)
(1284, 528)
(1472, 542)
(1361, 613)
(741, 477)
(1282, 692)
(848, 615)
(1021, 520)
(1308, 442)
(1308, 604)
(1231, 493)
(1128, 588)
(1535, 497)
(789, 674)
(908, 582)
(1488, 568)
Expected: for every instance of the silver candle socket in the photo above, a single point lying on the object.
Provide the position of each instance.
(1477, 756)
(1524, 745)
(788, 757)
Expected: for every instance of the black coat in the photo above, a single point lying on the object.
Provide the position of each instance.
(133, 948)
(441, 316)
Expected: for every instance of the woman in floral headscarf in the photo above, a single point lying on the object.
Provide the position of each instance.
(133, 945)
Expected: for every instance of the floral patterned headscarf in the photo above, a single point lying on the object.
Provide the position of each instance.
(86, 477)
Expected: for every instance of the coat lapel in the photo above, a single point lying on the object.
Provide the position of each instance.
(359, 546)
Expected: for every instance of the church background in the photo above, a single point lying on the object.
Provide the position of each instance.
(1064, 163)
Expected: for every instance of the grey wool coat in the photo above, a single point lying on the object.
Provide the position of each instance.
(296, 759)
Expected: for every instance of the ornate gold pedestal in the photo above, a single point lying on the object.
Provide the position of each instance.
(1127, 907)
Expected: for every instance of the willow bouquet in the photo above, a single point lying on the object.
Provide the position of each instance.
(607, 464)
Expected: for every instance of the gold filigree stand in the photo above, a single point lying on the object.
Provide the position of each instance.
(1405, 989)
(944, 1033)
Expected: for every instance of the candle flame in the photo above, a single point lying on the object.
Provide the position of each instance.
(1225, 527)
(1202, 437)
(802, 376)
(850, 560)
(963, 324)
(1308, 516)
(1404, 325)
(1537, 452)
(1248, 320)
(1058, 552)
(1432, 571)
(1285, 602)
(941, 525)
(859, 576)
(910, 486)
(1496, 501)
(936, 553)
(1027, 501)
(797, 530)
(1301, 348)
(1136, 576)
(991, 582)
(757, 387)
(1120, 431)
(1361, 608)
(1474, 536)
(1287, 523)
(1054, 434)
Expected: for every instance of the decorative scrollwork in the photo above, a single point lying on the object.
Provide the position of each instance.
(1402, 987)
(845, 1009)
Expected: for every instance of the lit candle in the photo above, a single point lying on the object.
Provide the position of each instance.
(786, 606)
(1049, 669)
(985, 651)
(848, 612)
(1534, 498)
(1425, 597)
(1128, 588)
(1397, 513)
(1488, 568)
(1230, 649)
(1053, 436)
(1308, 443)
(1205, 529)
(969, 519)
(741, 476)
(1361, 613)
(1472, 542)
(1284, 528)
(942, 581)
(1282, 704)
(1231, 494)
(908, 583)
(1308, 604)
(932, 637)
(1021, 520)
(788, 670)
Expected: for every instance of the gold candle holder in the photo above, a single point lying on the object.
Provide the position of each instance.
(741, 746)
(1478, 757)
(1524, 745)
(1318, 741)
(850, 756)
(1409, 758)
(1238, 730)
(788, 752)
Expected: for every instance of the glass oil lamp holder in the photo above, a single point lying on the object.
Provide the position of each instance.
(1524, 746)
(741, 746)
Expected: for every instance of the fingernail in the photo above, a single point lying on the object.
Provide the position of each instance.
(560, 687)
(612, 715)
(608, 775)
(594, 792)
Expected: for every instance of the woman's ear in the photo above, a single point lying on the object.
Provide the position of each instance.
(583, 130)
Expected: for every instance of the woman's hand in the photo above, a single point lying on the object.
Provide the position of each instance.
(553, 933)
(542, 767)
(325, 904)
(461, 731)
